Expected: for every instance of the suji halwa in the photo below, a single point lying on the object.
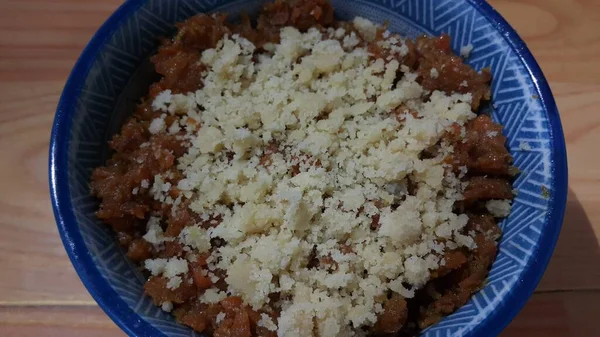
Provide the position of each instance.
(301, 176)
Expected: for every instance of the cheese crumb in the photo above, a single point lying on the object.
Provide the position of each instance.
(167, 306)
(465, 51)
(524, 146)
(434, 73)
(221, 316)
(195, 237)
(366, 28)
(169, 268)
(499, 208)
(155, 266)
(162, 100)
(154, 233)
(174, 282)
(157, 125)
(266, 322)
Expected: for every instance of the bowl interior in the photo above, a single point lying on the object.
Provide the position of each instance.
(114, 72)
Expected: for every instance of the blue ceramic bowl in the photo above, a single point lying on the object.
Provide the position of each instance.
(112, 73)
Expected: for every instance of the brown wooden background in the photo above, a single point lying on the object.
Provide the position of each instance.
(40, 294)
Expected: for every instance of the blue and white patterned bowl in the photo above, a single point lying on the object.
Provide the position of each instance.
(112, 73)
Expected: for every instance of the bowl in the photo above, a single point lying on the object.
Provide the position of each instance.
(113, 72)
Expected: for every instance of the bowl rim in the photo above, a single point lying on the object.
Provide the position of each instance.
(132, 324)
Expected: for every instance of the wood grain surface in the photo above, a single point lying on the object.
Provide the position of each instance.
(40, 294)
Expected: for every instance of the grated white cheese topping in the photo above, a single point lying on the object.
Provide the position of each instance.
(465, 51)
(221, 316)
(298, 151)
(167, 306)
(523, 145)
(266, 322)
(499, 208)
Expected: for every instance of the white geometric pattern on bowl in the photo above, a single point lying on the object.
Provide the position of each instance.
(516, 106)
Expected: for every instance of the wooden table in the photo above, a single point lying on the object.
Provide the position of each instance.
(40, 294)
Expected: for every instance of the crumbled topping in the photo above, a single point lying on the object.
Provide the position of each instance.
(524, 146)
(172, 269)
(266, 322)
(162, 101)
(465, 51)
(366, 28)
(154, 233)
(196, 238)
(299, 153)
(157, 125)
(167, 306)
(155, 266)
(499, 208)
(221, 316)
